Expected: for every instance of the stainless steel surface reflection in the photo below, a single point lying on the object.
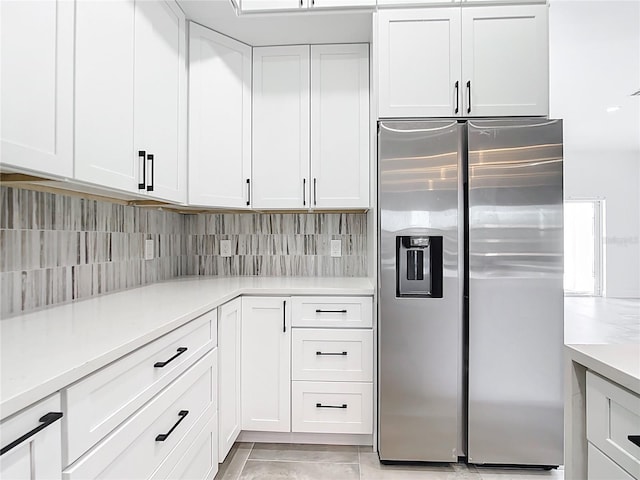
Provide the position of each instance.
(515, 292)
(419, 354)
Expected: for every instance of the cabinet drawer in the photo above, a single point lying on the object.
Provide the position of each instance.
(99, 403)
(613, 415)
(332, 355)
(134, 450)
(601, 467)
(39, 455)
(331, 407)
(340, 312)
(198, 460)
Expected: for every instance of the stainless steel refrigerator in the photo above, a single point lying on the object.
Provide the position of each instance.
(470, 291)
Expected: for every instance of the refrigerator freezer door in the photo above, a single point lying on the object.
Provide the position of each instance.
(515, 292)
(419, 354)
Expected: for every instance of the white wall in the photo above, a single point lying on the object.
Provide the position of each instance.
(594, 66)
(616, 178)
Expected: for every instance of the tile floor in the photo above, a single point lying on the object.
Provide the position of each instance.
(262, 461)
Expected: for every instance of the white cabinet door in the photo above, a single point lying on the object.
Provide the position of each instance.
(160, 97)
(266, 5)
(319, 4)
(281, 127)
(419, 62)
(398, 3)
(40, 455)
(219, 119)
(266, 364)
(505, 60)
(340, 125)
(37, 85)
(229, 345)
(104, 147)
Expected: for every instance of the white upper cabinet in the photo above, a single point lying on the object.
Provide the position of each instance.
(160, 95)
(505, 62)
(468, 61)
(340, 125)
(297, 5)
(219, 120)
(311, 150)
(104, 152)
(281, 127)
(36, 39)
(319, 4)
(266, 364)
(266, 5)
(419, 62)
(399, 3)
(130, 64)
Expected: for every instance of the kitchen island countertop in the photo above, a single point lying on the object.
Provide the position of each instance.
(44, 351)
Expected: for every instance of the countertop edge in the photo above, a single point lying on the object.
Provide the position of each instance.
(24, 399)
(577, 353)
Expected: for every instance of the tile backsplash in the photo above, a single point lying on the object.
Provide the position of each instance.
(57, 248)
(288, 244)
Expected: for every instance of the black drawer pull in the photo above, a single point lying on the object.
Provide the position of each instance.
(332, 353)
(180, 351)
(163, 436)
(635, 439)
(319, 405)
(318, 310)
(45, 420)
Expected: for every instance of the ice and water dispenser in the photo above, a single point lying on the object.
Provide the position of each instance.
(419, 266)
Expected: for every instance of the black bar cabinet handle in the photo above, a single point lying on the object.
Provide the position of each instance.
(331, 353)
(180, 351)
(318, 310)
(319, 405)
(151, 172)
(635, 439)
(248, 191)
(163, 436)
(457, 89)
(469, 91)
(45, 420)
(142, 156)
(304, 191)
(284, 316)
(315, 200)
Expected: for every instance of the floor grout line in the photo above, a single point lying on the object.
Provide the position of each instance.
(300, 461)
(244, 464)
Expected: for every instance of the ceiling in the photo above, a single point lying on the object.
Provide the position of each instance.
(280, 29)
(594, 68)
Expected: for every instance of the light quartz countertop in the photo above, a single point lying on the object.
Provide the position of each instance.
(44, 351)
(618, 362)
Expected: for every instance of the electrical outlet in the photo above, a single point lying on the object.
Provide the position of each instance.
(336, 248)
(225, 248)
(148, 249)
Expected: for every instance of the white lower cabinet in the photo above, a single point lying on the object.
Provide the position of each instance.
(266, 364)
(146, 440)
(332, 407)
(613, 430)
(97, 404)
(601, 467)
(332, 355)
(39, 454)
(200, 461)
(229, 406)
